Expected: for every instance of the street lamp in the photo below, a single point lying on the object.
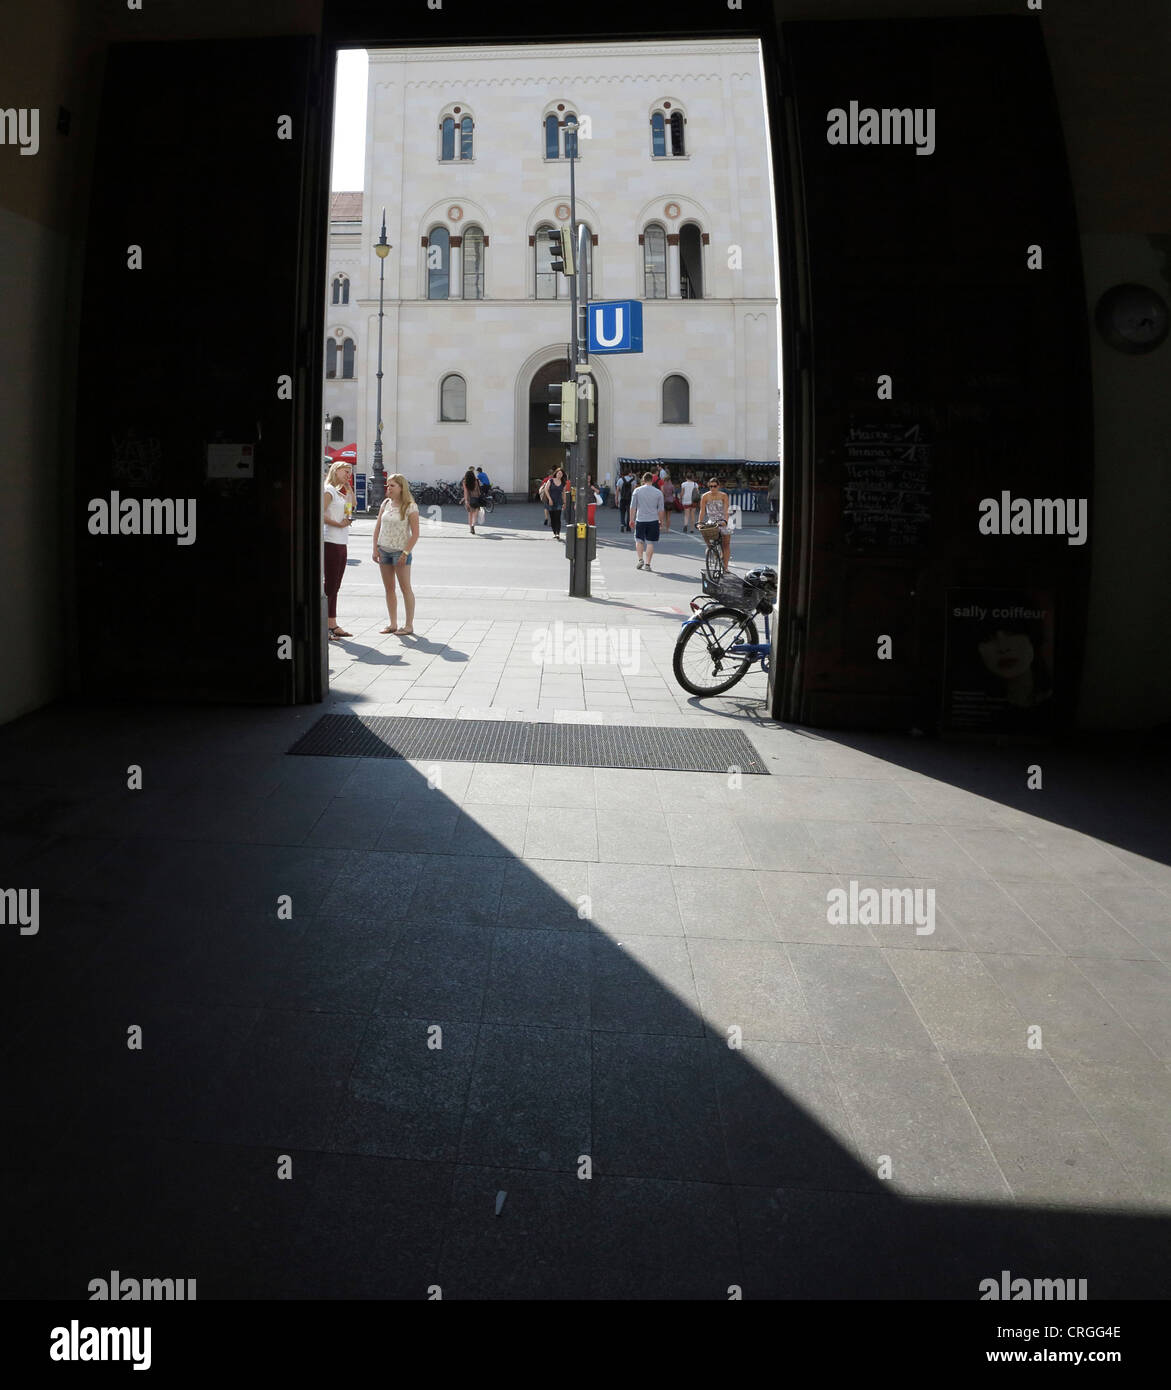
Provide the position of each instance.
(328, 427)
(382, 249)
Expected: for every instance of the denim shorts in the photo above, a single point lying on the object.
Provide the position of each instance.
(646, 531)
(389, 557)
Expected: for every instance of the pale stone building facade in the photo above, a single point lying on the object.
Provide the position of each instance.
(345, 320)
(673, 184)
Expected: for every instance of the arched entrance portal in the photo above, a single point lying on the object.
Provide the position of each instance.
(546, 451)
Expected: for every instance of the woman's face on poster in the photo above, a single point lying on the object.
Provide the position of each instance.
(1007, 654)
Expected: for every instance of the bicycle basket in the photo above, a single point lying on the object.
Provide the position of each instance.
(736, 592)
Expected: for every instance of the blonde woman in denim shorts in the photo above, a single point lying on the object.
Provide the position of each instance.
(396, 533)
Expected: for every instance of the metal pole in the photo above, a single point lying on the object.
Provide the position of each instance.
(579, 567)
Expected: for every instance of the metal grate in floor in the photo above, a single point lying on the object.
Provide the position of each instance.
(514, 741)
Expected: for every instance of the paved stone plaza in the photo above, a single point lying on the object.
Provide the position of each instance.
(489, 1048)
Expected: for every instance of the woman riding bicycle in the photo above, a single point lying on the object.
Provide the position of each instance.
(715, 510)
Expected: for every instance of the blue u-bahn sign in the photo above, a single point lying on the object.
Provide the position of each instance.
(615, 326)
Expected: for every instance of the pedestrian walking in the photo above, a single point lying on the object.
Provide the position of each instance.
(689, 496)
(396, 533)
(337, 517)
(774, 499)
(553, 493)
(625, 491)
(667, 488)
(471, 489)
(646, 509)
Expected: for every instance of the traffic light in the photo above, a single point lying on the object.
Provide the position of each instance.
(560, 249)
(568, 412)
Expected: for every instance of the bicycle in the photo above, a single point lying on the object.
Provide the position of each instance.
(713, 558)
(491, 498)
(720, 642)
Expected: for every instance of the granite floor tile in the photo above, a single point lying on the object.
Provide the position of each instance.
(642, 984)
(528, 1103)
(906, 1109)
(855, 998)
(1044, 1140)
(538, 977)
(405, 1092)
(654, 1109)
(1076, 1022)
(749, 986)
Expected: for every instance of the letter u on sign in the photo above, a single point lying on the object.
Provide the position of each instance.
(605, 339)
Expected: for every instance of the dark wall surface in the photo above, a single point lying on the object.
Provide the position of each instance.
(185, 356)
(918, 271)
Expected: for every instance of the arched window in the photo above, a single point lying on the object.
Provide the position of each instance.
(348, 358)
(438, 263)
(654, 262)
(690, 262)
(453, 398)
(676, 401)
(559, 142)
(473, 263)
(667, 132)
(658, 134)
(337, 429)
(330, 358)
(341, 289)
(546, 276)
(455, 135)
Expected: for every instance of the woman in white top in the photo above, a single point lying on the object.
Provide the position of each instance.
(690, 495)
(396, 533)
(338, 517)
(715, 510)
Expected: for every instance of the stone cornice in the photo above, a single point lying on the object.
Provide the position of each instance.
(569, 80)
(491, 53)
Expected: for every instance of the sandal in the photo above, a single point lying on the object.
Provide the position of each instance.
(388, 628)
(336, 632)
(406, 632)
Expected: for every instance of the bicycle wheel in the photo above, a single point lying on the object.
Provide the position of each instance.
(701, 663)
(713, 561)
(498, 497)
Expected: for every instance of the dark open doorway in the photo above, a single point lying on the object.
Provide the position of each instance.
(546, 450)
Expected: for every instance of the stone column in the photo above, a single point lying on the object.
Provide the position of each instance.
(672, 265)
(455, 277)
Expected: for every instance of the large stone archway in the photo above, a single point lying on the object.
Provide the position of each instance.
(522, 445)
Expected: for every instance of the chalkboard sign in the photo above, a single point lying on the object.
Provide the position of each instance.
(887, 486)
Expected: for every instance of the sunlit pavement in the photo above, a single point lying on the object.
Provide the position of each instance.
(499, 637)
(560, 1032)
